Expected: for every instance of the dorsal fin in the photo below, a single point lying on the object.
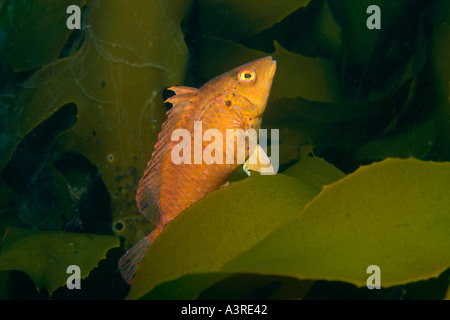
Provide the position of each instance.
(181, 95)
(180, 90)
(147, 196)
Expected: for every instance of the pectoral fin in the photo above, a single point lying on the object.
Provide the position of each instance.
(226, 184)
(258, 161)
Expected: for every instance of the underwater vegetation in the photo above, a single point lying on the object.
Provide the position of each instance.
(364, 120)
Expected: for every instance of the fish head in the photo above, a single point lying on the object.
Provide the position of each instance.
(246, 88)
(253, 82)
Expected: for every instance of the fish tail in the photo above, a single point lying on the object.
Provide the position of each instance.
(129, 261)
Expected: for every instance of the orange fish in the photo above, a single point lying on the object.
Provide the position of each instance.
(233, 100)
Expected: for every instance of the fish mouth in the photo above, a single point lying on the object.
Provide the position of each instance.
(273, 68)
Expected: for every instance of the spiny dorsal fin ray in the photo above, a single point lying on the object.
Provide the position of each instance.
(180, 90)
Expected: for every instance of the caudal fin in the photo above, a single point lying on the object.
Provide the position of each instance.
(129, 261)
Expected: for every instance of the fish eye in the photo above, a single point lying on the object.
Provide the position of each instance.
(247, 75)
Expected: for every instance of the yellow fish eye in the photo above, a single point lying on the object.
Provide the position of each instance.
(247, 75)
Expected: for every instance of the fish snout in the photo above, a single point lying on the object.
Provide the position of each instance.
(272, 69)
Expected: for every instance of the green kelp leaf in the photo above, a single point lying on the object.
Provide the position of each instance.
(360, 40)
(416, 131)
(45, 255)
(326, 32)
(216, 229)
(414, 140)
(235, 19)
(35, 31)
(314, 170)
(43, 197)
(2, 3)
(127, 56)
(314, 79)
(7, 204)
(430, 289)
(342, 126)
(447, 295)
(393, 214)
(311, 32)
(256, 287)
(189, 286)
(219, 286)
(440, 65)
(5, 283)
(376, 60)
